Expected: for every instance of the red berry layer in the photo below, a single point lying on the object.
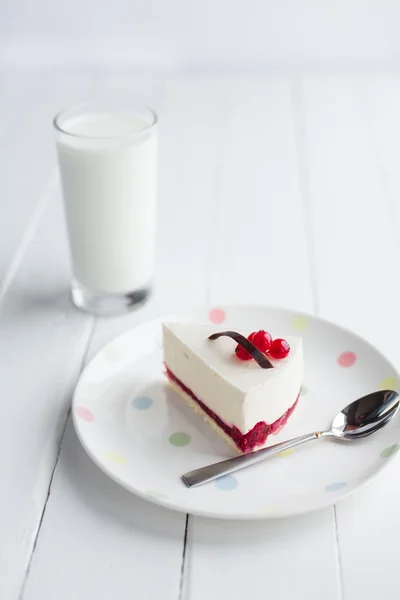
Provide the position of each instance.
(245, 442)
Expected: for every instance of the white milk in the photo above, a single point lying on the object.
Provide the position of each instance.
(109, 179)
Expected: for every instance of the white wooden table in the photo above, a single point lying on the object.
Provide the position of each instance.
(309, 167)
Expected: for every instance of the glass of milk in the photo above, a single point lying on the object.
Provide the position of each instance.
(108, 165)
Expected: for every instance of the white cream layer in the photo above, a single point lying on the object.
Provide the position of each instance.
(240, 393)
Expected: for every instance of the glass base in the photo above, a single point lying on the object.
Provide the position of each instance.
(107, 305)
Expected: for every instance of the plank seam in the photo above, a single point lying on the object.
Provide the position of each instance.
(300, 134)
(369, 114)
(213, 230)
(42, 516)
(300, 141)
(184, 556)
(338, 556)
(29, 233)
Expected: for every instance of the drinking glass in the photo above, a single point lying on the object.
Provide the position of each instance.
(107, 157)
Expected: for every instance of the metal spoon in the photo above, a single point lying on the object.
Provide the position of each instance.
(359, 419)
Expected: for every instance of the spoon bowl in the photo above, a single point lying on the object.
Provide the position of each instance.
(366, 415)
(357, 420)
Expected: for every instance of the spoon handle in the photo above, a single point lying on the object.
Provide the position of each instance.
(204, 474)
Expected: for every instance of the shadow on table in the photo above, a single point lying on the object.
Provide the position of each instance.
(27, 305)
(105, 498)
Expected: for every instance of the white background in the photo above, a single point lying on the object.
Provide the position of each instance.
(280, 119)
(186, 33)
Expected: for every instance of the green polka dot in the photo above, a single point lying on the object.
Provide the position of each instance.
(300, 322)
(389, 383)
(303, 390)
(179, 438)
(285, 453)
(112, 353)
(390, 450)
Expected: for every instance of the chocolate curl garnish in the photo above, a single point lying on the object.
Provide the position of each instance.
(254, 352)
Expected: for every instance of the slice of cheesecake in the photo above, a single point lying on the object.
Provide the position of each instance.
(244, 400)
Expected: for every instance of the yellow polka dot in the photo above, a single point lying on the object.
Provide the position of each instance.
(116, 458)
(390, 383)
(300, 322)
(285, 453)
(112, 353)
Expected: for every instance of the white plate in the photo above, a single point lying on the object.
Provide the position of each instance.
(144, 436)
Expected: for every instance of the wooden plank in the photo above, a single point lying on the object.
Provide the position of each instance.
(355, 242)
(274, 559)
(351, 143)
(368, 533)
(43, 341)
(260, 253)
(191, 145)
(260, 256)
(98, 540)
(380, 96)
(15, 87)
(117, 539)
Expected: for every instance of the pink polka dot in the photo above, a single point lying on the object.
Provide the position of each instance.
(217, 316)
(347, 359)
(84, 413)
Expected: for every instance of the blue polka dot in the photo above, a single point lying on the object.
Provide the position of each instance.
(227, 483)
(336, 486)
(142, 402)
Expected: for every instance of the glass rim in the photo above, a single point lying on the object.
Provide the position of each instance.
(60, 128)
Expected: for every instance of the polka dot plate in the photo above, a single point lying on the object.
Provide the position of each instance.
(144, 436)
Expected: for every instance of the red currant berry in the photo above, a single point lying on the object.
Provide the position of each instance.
(279, 348)
(262, 339)
(241, 353)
